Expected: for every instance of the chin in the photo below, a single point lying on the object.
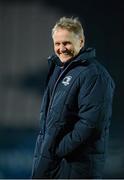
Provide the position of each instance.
(65, 59)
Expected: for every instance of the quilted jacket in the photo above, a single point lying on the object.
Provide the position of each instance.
(75, 120)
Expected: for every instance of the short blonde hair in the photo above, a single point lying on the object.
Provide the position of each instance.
(71, 24)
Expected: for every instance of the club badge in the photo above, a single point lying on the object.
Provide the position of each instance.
(66, 80)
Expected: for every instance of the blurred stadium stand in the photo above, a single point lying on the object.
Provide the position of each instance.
(25, 44)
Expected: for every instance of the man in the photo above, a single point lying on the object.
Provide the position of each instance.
(75, 111)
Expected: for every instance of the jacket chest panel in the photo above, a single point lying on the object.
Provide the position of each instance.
(66, 90)
(65, 81)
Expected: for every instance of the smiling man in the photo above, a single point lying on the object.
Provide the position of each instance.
(75, 110)
(67, 44)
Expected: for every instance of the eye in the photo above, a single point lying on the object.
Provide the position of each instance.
(66, 43)
(57, 44)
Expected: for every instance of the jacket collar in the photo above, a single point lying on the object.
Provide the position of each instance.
(85, 54)
(83, 57)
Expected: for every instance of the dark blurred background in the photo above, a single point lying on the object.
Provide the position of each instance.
(25, 44)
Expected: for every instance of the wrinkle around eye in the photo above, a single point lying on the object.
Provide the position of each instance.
(66, 43)
(57, 44)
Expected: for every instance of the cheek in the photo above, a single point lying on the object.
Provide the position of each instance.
(77, 46)
(70, 47)
(55, 49)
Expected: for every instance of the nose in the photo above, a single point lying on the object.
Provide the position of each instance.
(62, 48)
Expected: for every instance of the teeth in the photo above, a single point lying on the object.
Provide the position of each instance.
(65, 53)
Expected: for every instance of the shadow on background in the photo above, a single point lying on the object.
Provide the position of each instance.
(25, 44)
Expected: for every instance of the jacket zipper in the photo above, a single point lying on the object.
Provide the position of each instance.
(52, 96)
(53, 92)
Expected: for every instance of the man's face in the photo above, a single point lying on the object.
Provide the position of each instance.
(66, 44)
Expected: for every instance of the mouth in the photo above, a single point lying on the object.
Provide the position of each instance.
(66, 53)
(65, 57)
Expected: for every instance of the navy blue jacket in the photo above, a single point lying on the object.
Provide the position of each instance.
(75, 118)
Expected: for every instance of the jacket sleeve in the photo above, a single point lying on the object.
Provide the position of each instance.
(95, 93)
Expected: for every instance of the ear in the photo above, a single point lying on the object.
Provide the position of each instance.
(82, 41)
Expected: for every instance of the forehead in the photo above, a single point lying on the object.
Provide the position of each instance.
(61, 34)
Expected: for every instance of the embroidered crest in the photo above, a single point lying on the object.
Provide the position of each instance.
(66, 80)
